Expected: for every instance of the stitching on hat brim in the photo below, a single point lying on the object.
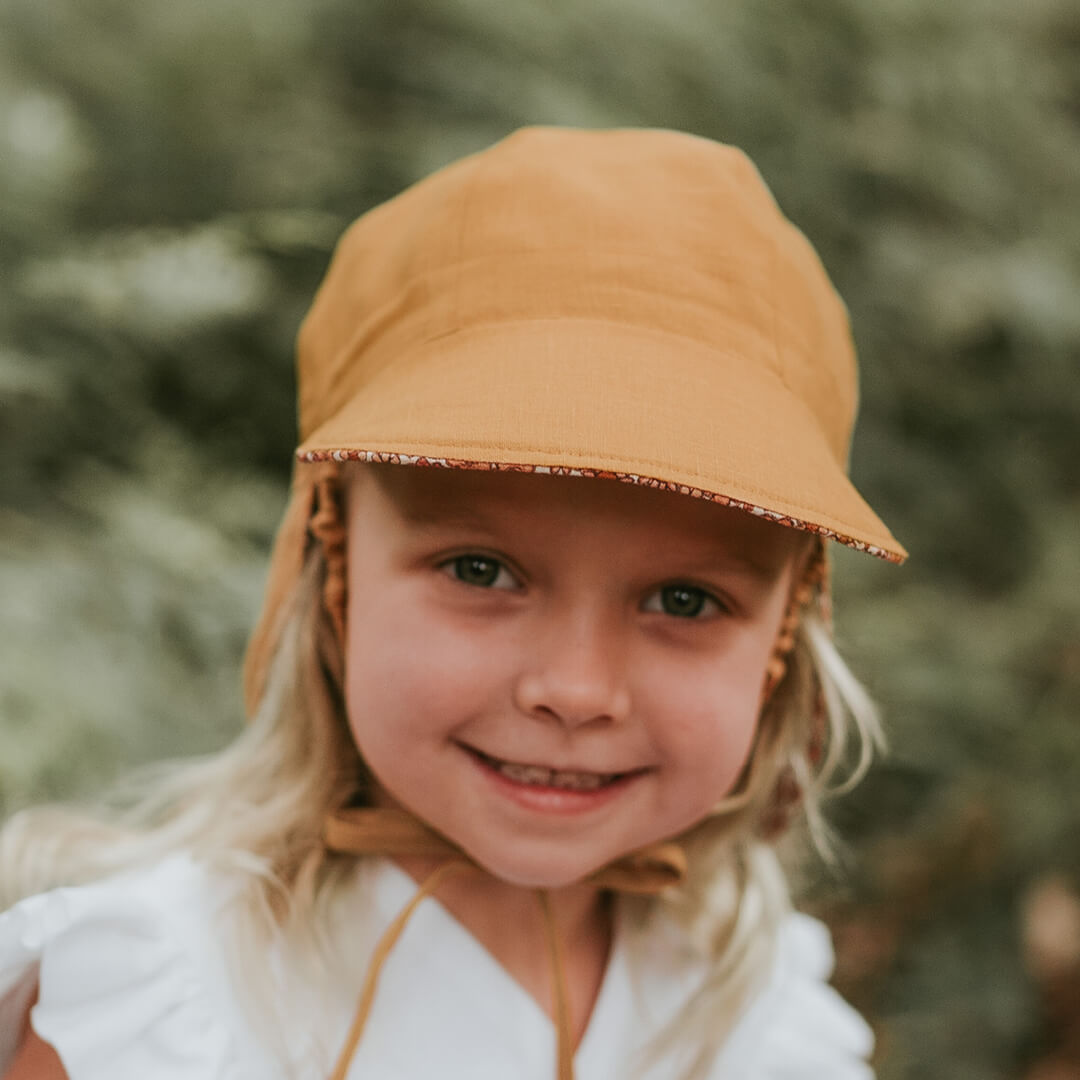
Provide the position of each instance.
(384, 457)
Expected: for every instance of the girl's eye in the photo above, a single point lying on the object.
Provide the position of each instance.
(481, 571)
(683, 601)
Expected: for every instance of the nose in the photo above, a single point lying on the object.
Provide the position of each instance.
(576, 674)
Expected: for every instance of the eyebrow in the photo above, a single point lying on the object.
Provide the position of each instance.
(765, 566)
(425, 515)
(759, 570)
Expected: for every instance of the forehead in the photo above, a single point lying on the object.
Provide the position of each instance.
(495, 501)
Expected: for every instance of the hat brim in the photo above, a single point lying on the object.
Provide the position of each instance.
(593, 398)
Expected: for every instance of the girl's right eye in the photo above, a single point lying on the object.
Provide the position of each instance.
(482, 571)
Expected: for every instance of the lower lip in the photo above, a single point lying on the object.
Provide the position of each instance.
(553, 800)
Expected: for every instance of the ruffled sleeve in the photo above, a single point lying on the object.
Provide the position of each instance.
(124, 989)
(800, 1028)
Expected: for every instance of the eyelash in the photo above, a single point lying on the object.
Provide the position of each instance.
(459, 566)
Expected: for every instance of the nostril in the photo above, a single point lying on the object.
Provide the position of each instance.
(572, 703)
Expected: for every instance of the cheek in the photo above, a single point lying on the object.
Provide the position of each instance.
(411, 674)
(713, 739)
(707, 720)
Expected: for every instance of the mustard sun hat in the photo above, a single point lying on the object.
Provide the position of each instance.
(629, 304)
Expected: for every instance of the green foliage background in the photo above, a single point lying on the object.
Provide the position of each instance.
(172, 178)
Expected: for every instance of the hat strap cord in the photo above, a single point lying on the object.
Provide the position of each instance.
(378, 958)
(380, 831)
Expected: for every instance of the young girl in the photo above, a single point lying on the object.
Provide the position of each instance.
(543, 672)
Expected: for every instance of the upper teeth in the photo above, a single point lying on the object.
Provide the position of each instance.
(544, 777)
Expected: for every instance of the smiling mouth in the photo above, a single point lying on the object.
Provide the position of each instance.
(542, 776)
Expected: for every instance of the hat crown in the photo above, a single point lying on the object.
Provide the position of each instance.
(655, 229)
(628, 304)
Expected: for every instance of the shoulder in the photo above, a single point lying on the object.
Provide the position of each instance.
(799, 1027)
(795, 1027)
(129, 975)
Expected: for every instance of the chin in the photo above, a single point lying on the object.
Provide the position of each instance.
(536, 873)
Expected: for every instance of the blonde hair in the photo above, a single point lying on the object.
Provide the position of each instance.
(257, 808)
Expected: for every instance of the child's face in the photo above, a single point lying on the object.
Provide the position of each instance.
(550, 671)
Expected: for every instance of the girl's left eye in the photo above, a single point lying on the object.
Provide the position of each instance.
(481, 571)
(683, 601)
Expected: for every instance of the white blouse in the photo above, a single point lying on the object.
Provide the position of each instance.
(134, 984)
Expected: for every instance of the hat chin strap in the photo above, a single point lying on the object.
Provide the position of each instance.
(327, 526)
(381, 831)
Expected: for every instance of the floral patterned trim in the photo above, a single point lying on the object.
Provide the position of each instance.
(387, 458)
